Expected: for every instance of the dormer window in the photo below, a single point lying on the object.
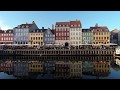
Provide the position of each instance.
(60, 25)
(56, 25)
(79, 25)
(63, 25)
(71, 25)
(22, 26)
(18, 26)
(9, 31)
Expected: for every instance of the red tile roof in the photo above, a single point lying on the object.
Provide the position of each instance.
(24, 25)
(99, 28)
(62, 23)
(77, 22)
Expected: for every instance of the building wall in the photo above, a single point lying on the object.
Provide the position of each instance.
(49, 37)
(75, 36)
(36, 38)
(119, 38)
(20, 68)
(101, 37)
(101, 66)
(36, 66)
(87, 37)
(6, 37)
(76, 69)
(62, 35)
(21, 35)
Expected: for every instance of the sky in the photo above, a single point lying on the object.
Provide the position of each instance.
(11, 19)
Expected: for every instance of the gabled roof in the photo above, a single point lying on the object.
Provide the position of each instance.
(100, 29)
(25, 25)
(77, 23)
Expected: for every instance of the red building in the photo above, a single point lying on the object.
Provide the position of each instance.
(62, 32)
(6, 37)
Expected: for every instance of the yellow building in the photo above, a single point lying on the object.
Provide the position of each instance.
(36, 37)
(101, 66)
(36, 66)
(101, 34)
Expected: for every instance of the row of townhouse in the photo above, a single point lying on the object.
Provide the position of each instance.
(65, 33)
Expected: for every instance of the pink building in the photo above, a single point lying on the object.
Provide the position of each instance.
(6, 36)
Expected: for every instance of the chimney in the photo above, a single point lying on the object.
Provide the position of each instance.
(42, 27)
(33, 22)
(52, 26)
(96, 25)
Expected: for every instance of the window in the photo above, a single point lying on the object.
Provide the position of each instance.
(104, 33)
(56, 34)
(64, 34)
(77, 38)
(2, 39)
(11, 38)
(76, 33)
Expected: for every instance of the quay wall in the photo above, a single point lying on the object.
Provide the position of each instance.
(59, 52)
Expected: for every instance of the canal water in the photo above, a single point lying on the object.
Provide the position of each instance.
(64, 67)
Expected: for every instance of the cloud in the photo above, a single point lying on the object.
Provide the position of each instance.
(4, 26)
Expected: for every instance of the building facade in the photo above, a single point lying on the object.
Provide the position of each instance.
(114, 36)
(68, 33)
(87, 36)
(6, 36)
(21, 33)
(101, 34)
(36, 66)
(49, 37)
(36, 37)
(62, 33)
(119, 38)
(76, 69)
(75, 33)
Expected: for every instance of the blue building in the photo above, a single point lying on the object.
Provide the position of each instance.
(49, 37)
(21, 33)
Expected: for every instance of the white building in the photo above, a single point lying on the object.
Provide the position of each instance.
(75, 33)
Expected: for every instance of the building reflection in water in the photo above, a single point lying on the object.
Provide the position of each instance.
(63, 67)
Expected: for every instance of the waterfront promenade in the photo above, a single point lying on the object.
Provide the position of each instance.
(57, 52)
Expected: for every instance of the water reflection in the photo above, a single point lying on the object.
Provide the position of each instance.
(63, 67)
